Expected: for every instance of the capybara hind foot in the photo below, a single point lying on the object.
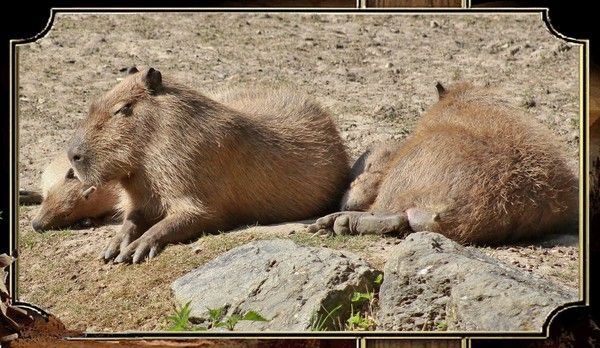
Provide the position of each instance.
(422, 220)
(359, 223)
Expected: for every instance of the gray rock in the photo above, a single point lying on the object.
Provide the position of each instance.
(451, 286)
(286, 283)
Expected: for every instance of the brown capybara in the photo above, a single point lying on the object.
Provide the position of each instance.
(190, 164)
(67, 201)
(475, 170)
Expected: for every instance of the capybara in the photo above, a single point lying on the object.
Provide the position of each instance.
(190, 164)
(67, 201)
(474, 169)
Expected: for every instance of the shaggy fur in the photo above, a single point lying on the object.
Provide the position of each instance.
(191, 164)
(486, 173)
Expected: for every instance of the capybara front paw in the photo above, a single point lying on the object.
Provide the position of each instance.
(117, 245)
(138, 251)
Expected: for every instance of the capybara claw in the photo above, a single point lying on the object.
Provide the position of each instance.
(122, 258)
(139, 251)
(110, 253)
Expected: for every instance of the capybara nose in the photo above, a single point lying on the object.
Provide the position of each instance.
(37, 226)
(74, 154)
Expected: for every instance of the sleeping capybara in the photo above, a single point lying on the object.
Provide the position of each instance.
(475, 170)
(67, 201)
(190, 164)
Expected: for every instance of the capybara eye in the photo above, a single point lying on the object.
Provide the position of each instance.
(124, 110)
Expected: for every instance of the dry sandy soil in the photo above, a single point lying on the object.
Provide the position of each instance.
(376, 73)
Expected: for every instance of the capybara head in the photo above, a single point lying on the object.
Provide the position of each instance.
(63, 204)
(111, 139)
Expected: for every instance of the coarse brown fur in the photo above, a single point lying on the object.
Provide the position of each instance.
(487, 172)
(190, 164)
(65, 200)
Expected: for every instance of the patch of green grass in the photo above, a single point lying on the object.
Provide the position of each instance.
(230, 321)
(31, 239)
(60, 290)
(359, 322)
(28, 240)
(180, 321)
(441, 326)
(318, 322)
(362, 319)
(362, 309)
(57, 235)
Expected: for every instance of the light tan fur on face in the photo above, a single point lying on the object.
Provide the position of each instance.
(490, 172)
(64, 202)
(191, 164)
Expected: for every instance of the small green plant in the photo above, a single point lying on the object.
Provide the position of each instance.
(216, 314)
(441, 326)
(318, 322)
(362, 307)
(180, 320)
(230, 322)
(359, 297)
(359, 321)
(363, 318)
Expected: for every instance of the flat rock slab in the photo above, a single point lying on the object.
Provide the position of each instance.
(287, 284)
(434, 283)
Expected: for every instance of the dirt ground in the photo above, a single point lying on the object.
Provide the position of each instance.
(376, 73)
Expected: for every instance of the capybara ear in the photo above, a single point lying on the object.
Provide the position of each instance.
(86, 193)
(70, 174)
(153, 80)
(132, 70)
(441, 90)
